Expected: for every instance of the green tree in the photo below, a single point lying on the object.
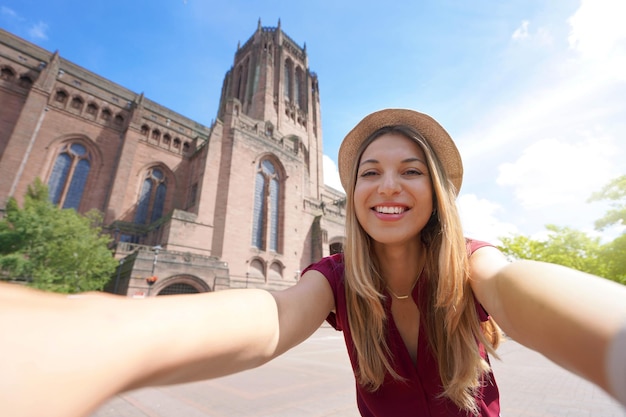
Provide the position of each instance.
(575, 249)
(614, 256)
(563, 246)
(614, 253)
(614, 191)
(53, 249)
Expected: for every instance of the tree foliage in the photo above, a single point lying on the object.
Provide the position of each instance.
(615, 191)
(614, 254)
(563, 246)
(53, 249)
(575, 249)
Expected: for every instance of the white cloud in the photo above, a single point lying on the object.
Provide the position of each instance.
(598, 27)
(563, 88)
(5, 11)
(554, 172)
(331, 173)
(522, 31)
(480, 221)
(541, 36)
(38, 31)
(35, 32)
(598, 34)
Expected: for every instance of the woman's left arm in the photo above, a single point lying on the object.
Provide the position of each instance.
(571, 317)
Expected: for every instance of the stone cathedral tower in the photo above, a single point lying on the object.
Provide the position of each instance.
(271, 163)
(240, 203)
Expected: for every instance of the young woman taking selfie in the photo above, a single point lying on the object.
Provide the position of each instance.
(420, 305)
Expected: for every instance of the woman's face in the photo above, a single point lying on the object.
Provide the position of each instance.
(393, 196)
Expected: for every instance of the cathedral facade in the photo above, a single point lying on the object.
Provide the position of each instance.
(190, 208)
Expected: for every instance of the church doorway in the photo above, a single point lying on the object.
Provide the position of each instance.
(178, 288)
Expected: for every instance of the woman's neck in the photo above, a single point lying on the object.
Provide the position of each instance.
(400, 265)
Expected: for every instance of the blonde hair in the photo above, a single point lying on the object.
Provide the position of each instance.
(451, 302)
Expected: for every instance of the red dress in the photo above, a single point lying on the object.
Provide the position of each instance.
(418, 394)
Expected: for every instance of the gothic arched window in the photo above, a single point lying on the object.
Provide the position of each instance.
(300, 91)
(69, 176)
(77, 103)
(266, 212)
(151, 197)
(7, 74)
(276, 271)
(239, 83)
(60, 96)
(257, 269)
(92, 109)
(106, 114)
(25, 81)
(241, 80)
(288, 79)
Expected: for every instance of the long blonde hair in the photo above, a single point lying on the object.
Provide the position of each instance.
(450, 302)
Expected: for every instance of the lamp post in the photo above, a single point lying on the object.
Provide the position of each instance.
(152, 279)
(156, 250)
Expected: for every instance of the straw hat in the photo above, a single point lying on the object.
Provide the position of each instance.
(433, 132)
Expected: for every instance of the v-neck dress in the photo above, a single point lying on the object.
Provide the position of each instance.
(419, 393)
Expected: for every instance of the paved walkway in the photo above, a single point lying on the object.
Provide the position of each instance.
(315, 380)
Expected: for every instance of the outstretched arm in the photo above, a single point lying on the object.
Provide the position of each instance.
(73, 354)
(571, 317)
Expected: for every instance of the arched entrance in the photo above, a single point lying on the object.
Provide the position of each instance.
(182, 284)
(178, 288)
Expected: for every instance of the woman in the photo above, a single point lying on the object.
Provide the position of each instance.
(404, 237)
(411, 295)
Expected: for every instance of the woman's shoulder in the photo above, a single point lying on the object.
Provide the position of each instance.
(330, 266)
(473, 245)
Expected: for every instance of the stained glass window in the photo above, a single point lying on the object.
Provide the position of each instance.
(151, 201)
(274, 190)
(69, 175)
(258, 211)
(266, 212)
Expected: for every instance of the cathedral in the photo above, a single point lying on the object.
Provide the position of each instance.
(190, 208)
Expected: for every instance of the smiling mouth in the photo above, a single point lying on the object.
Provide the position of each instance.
(390, 210)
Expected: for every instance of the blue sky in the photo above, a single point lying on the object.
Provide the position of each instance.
(532, 91)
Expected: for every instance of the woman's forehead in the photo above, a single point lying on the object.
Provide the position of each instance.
(393, 144)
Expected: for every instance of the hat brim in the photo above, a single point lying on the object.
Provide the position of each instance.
(436, 136)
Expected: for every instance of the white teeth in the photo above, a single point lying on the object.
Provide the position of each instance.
(390, 210)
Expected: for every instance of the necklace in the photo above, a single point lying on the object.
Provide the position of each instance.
(404, 297)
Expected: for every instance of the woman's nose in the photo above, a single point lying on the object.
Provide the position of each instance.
(389, 184)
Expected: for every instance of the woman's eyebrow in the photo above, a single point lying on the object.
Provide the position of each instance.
(404, 161)
(369, 161)
(413, 159)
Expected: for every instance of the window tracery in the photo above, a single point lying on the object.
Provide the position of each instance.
(151, 201)
(69, 175)
(267, 210)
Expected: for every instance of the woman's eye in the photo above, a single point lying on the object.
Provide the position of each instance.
(412, 172)
(368, 173)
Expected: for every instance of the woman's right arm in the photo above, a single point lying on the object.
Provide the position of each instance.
(64, 356)
(575, 319)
